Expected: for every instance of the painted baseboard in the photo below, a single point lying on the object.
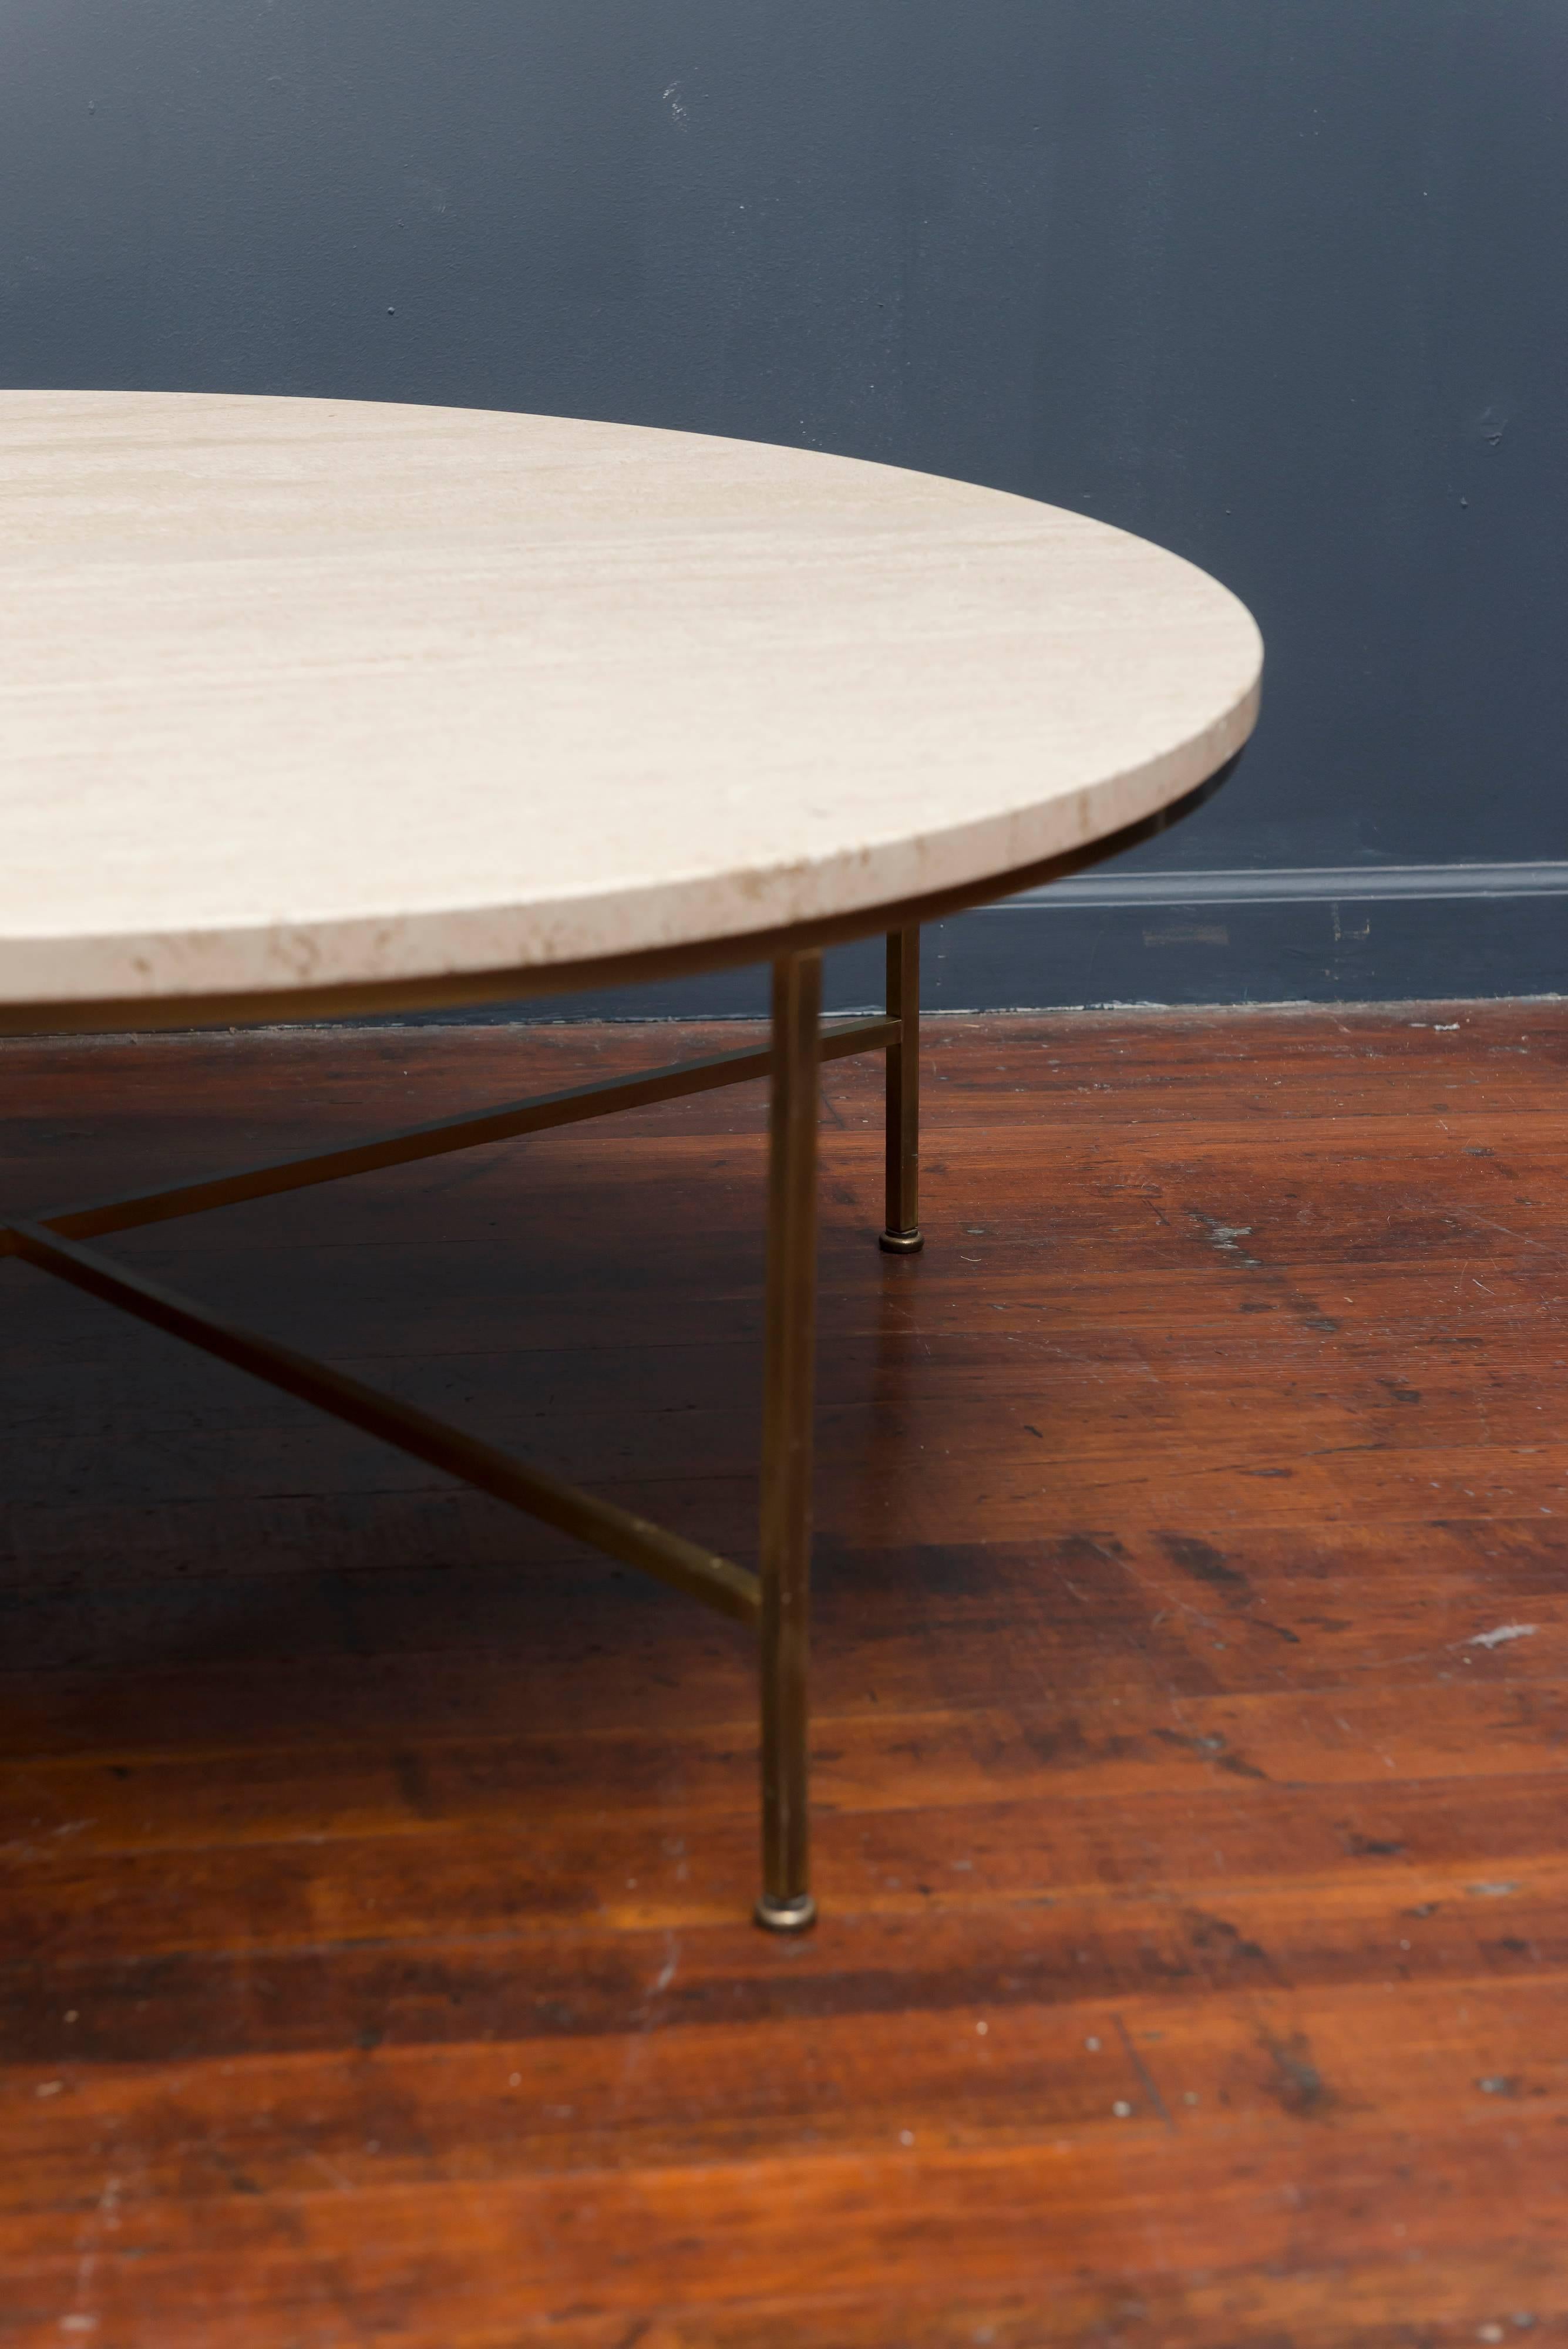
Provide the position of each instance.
(1320, 934)
(1300, 885)
(1311, 934)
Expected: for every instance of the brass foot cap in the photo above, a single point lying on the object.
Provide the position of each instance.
(901, 1243)
(793, 1912)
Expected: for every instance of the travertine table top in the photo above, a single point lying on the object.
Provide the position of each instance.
(298, 693)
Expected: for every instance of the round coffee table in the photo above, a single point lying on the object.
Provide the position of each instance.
(318, 707)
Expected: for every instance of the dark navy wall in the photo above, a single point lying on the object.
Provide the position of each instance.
(1279, 283)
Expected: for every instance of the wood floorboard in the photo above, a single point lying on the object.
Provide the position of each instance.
(1190, 1727)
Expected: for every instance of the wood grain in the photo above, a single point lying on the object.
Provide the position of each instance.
(1192, 1704)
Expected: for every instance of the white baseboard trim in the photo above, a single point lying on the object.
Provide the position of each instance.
(1297, 884)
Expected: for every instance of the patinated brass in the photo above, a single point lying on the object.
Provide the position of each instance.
(789, 1343)
(775, 1601)
(537, 1114)
(727, 1587)
(900, 1235)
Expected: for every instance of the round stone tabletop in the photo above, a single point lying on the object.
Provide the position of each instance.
(300, 694)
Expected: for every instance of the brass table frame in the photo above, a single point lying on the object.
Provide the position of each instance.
(775, 1601)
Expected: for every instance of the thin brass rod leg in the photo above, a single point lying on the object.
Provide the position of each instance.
(787, 1905)
(901, 1235)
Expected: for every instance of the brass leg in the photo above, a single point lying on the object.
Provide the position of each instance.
(902, 1235)
(787, 1905)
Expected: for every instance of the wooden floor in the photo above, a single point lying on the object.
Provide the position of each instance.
(1192, 1697)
